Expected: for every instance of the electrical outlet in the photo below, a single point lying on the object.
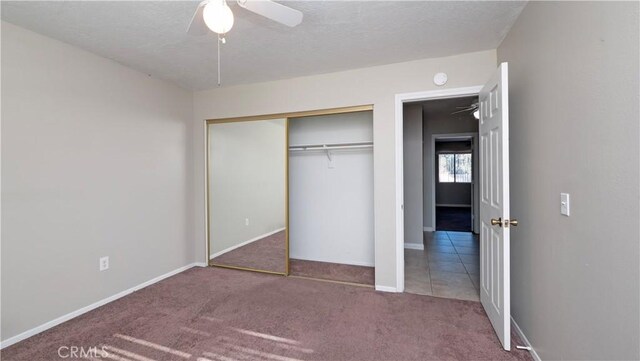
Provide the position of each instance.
(104, 263)
(246, 221)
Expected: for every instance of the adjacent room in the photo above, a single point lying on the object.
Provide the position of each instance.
(441, 189)
(454, 183)
(238, 180)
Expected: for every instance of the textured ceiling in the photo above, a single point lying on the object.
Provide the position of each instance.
(150, 36)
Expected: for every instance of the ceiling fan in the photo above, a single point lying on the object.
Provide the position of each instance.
(474, 109)
(215, 15)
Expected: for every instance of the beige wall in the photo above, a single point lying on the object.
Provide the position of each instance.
(574, 128)
(413, 208)
(96, 161)
(375, 85)
(247, 181)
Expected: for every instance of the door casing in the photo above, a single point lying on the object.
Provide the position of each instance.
(400, 99)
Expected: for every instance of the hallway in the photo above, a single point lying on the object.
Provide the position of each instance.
(449, 266)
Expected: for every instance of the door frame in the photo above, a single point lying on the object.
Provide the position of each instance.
(400, 99)
(475, 177)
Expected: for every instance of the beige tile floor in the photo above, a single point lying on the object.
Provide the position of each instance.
(449, 266)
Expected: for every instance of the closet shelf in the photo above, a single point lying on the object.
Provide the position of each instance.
(355, 145)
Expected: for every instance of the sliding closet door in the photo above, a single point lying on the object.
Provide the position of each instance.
(331, 189)
(247, 194)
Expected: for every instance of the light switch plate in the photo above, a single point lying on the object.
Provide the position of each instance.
(565, 205)
(104, 263)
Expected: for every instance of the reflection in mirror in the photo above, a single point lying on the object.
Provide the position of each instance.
(247, 188)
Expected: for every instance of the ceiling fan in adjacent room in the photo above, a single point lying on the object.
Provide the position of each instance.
(473, 108)
(216, 15)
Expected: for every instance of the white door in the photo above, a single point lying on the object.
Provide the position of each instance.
(494, 204)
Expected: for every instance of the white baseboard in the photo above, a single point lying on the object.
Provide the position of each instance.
(454, 205)
(45, 326)
(418, 246)
(427, 229)
(524, 339)
(358, 263)
(386, 289)
(352, 263)
(200, 264)
(212, 256)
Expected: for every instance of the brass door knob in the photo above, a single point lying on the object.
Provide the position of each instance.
(512, 222)
(497, 222)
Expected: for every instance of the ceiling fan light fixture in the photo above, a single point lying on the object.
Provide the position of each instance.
(218, 16)
(476, 114)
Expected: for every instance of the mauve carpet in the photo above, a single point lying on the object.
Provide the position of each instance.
(219, 314)
(266, 254)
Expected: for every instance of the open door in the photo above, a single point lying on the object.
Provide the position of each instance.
(495, 288)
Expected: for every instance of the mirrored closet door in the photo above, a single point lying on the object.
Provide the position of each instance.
(247, 194)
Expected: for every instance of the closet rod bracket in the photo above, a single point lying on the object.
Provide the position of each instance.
(329, 154)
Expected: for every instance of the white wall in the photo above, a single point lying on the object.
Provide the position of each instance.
(574, 105)
(96, 161)
(413, 173)
(375, 85)
(247, 181)
(331, 202)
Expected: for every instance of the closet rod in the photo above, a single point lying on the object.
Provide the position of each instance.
(354, 145)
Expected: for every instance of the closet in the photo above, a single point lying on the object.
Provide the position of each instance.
(292, 194)
(331, 197)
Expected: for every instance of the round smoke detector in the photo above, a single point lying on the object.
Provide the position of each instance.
(440, 79)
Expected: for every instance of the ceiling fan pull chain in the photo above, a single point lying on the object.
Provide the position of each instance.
(219, 41)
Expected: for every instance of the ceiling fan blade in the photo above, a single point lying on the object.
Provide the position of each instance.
(274, 11)
(462, 111)
(197, 25)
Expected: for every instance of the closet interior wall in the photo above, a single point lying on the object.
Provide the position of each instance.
(331, 191)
